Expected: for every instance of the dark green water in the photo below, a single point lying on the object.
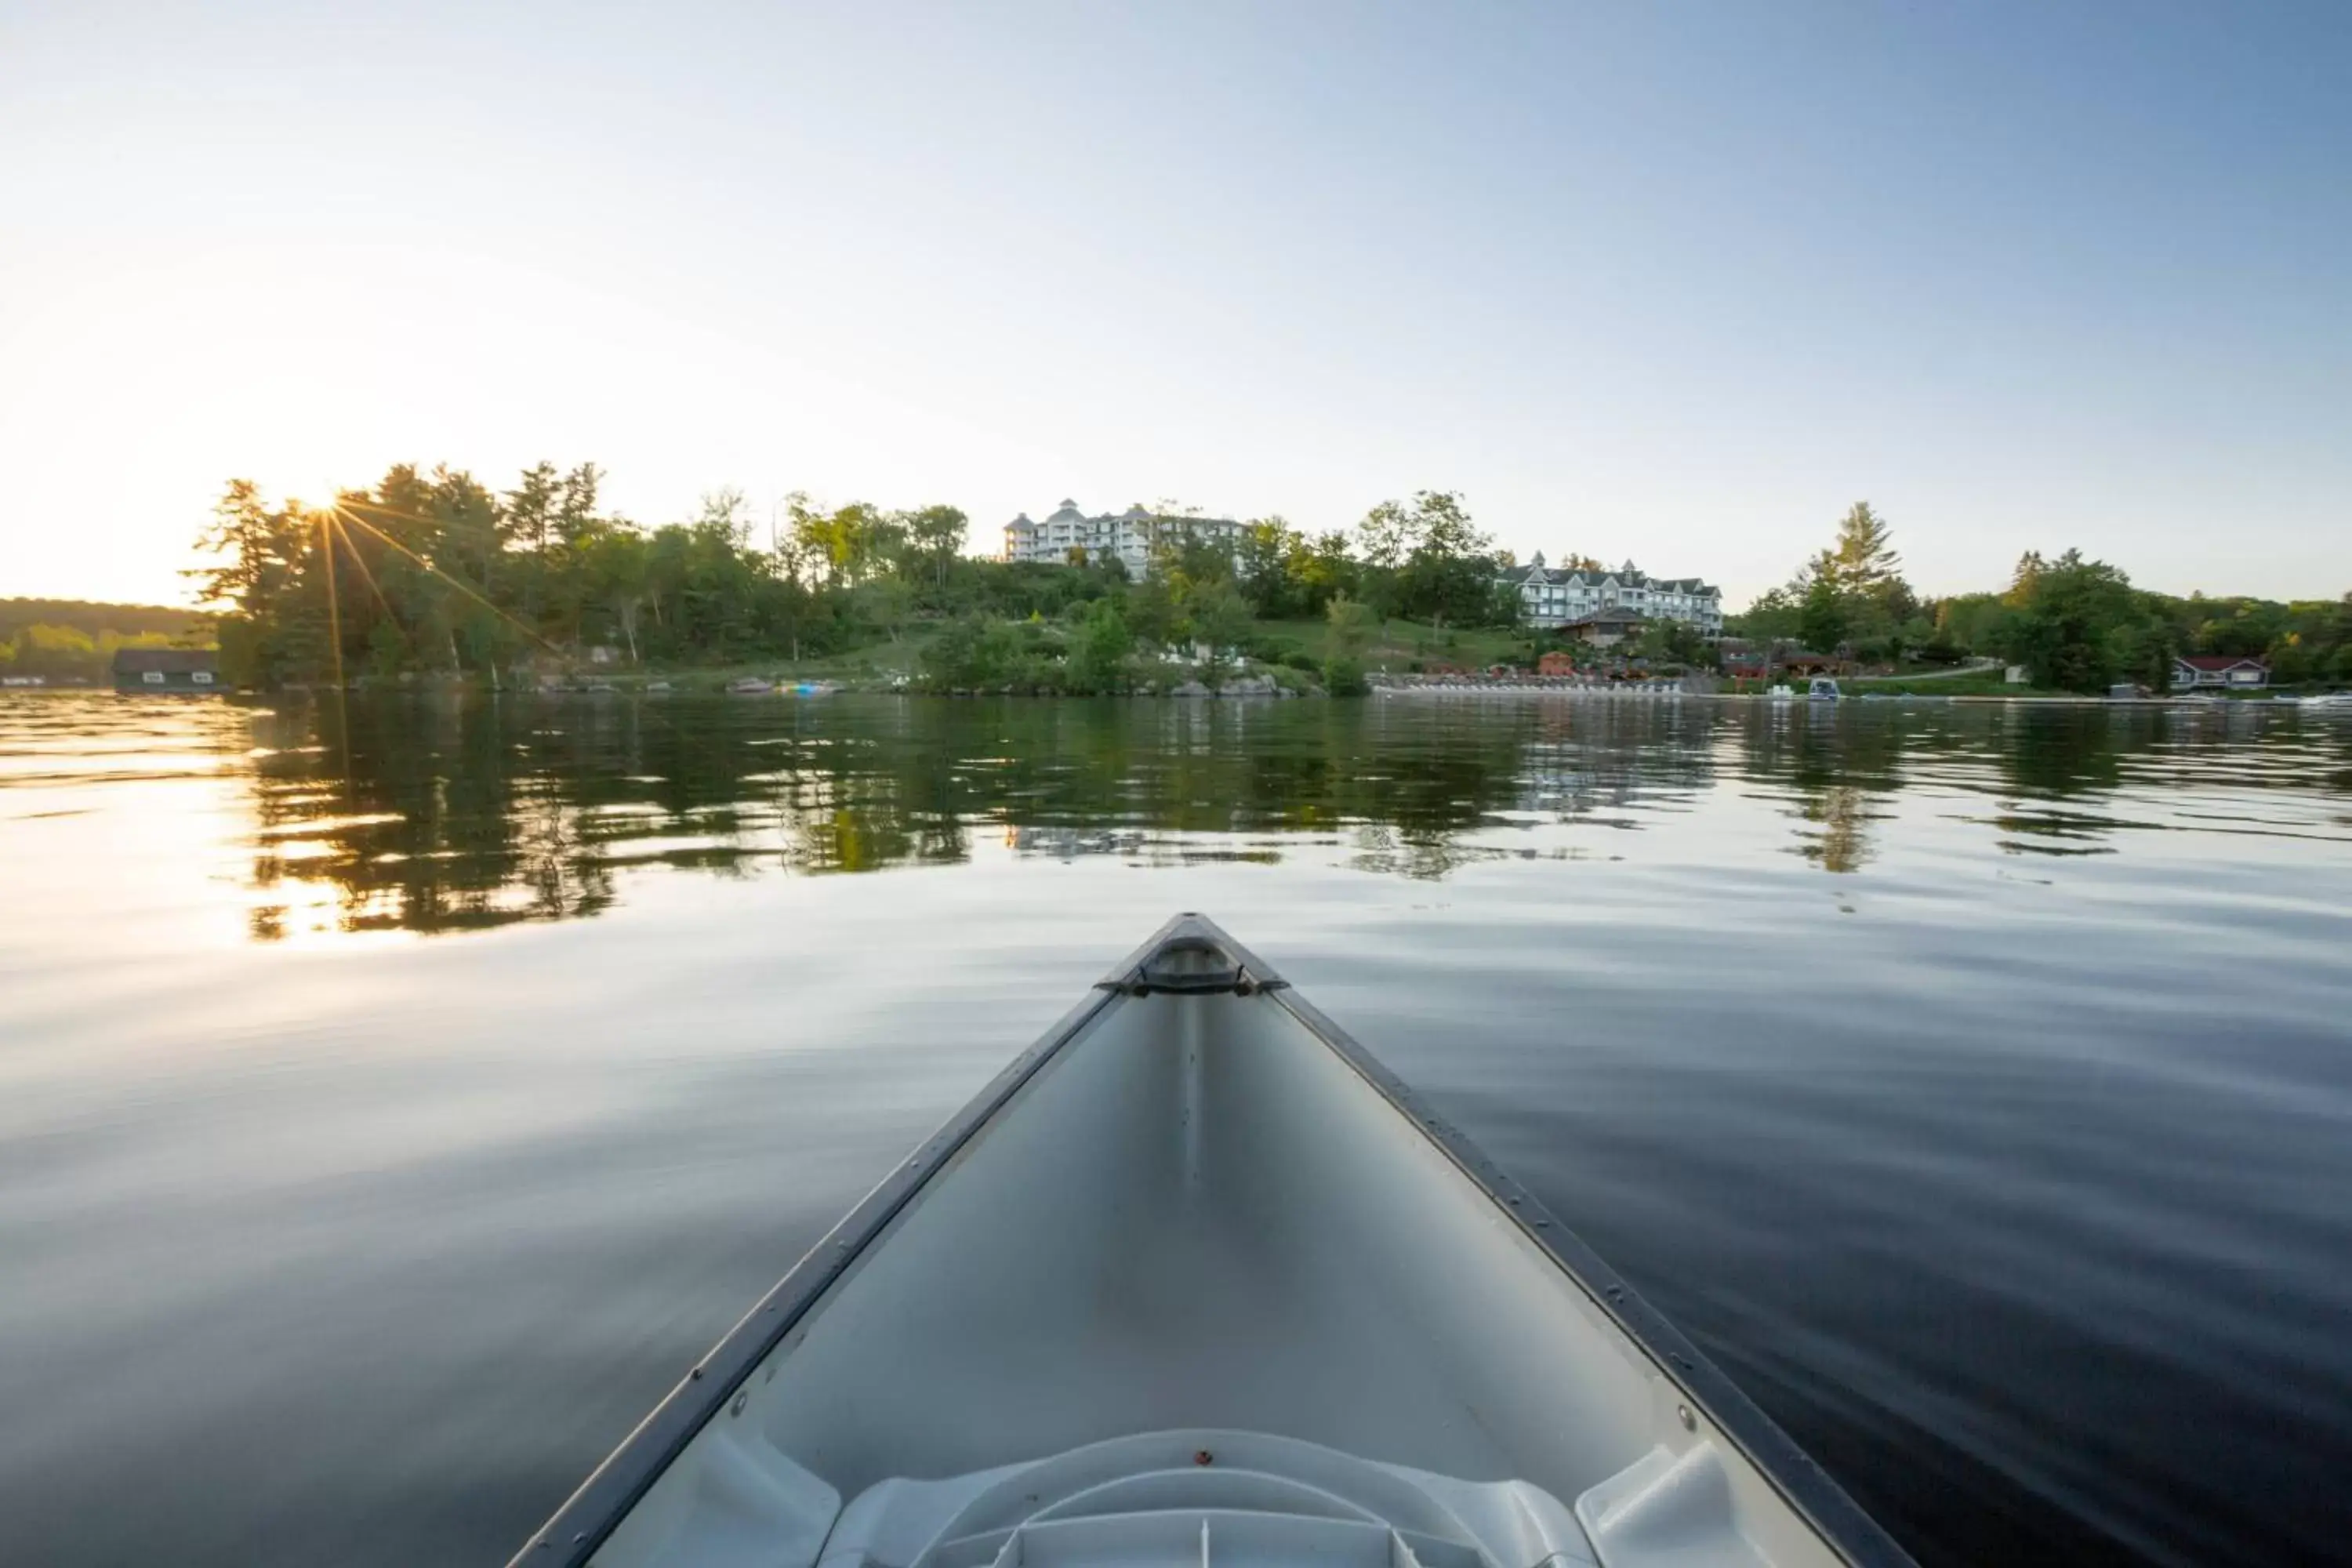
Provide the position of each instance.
(390, 1112)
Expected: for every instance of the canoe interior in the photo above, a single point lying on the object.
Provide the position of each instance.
(1198, 1216)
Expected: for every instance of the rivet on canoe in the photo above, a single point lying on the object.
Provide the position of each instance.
(1203, 1457)
(694, 1375)
(1690, 1422)
(743, 1396)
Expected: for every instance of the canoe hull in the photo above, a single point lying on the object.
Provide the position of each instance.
(1197, 1204)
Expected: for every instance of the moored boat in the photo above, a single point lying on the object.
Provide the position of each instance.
(1195, 1280)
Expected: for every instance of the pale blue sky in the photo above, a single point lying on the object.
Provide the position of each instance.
(1677, 282)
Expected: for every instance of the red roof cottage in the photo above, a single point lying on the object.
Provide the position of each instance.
(2220, 670)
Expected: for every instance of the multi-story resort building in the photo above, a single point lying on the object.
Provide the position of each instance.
(1557, 596)
(1128, 535)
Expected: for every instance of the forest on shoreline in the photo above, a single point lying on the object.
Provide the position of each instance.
(75, 639)
(2075, 624)
(431, 572)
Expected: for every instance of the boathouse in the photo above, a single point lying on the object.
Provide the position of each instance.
(166, 669)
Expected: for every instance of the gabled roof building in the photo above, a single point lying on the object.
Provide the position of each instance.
(2192, 670)
(1560, 597)
(1128, 535)
(166, 669)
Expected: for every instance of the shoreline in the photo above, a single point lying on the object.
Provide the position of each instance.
(732, 682)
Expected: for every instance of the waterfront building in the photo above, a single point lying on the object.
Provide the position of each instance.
(166, 669)
(1607, 627)
(1560, 596)
(2210, 670)
(1129, 534)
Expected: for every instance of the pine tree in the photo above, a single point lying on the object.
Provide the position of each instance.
(1864, 560)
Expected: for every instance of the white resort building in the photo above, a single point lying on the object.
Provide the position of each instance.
(1559, 596)
(1128, 535)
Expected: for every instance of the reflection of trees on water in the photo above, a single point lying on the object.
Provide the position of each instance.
(1835, 766)
(2053, 760)
(2057, 753)
(439, 814)
(1843, 843)
(455, 814)
(402, 842)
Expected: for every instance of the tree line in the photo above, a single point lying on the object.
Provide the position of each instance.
(2074, 623)
(432, 570)
(75, 639)
(41, 650)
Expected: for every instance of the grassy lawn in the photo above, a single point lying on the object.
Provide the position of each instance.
(873, 664)
(1395, 645)
(1982, 683)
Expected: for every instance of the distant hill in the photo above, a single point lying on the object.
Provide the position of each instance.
(74, 640)
(93, 619)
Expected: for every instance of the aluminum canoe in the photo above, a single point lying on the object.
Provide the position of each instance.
(1197, 1281)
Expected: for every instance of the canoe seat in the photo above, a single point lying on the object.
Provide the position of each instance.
(1669, 1509)
(1215, 1498)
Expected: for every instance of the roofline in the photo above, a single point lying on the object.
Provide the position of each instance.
(1696, 585)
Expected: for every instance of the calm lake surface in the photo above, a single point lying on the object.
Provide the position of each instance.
(390, 1112)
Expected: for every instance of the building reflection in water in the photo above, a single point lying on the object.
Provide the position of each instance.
(444, 814)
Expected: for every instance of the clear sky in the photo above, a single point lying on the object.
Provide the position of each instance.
(1678, 283)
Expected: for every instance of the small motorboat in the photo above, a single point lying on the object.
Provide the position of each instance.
(1195, 1280)
(1823, 689)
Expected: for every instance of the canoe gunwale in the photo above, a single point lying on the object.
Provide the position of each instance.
(593, 1511)
(591, 1514)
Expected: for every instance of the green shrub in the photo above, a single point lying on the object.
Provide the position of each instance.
(1344, 678)
(1267, 649)
(972, 654)
(1098, 651)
